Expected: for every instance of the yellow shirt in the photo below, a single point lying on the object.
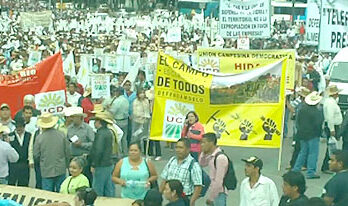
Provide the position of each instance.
(70, 184)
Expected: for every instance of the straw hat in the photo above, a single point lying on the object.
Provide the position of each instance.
(105, 116)
(87, 92)
(47, 120)
(98, 108)
(333, 90)
(313, 98)
(77, 111)
(4, 129)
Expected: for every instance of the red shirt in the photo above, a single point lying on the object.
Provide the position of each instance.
(87, 106)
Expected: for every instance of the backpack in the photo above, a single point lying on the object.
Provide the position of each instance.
(205, 179)
(230, 180)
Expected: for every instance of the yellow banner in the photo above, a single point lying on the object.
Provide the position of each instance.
(243, 109)
(229, 61)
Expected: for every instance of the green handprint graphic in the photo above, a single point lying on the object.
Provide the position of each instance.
(219, 127)
(270, 127)
(245, 127)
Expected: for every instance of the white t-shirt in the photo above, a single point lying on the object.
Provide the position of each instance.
(73, 99)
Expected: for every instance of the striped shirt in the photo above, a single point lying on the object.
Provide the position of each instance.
(180, 172)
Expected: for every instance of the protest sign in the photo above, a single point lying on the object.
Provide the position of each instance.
(111, 64)
(69, 65)
(174, 35)
(333, 25)
(124, 47)
(34, 19)
(243, 109)
(245, 18)
(34, 57)
(45, 76)
(238, 61)
(100, 85)
(312, 22)
(52, 102)
(30, 197)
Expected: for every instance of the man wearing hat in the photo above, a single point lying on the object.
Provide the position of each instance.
(333, 120)
(81, 136)
(257, 188)
(309, 122)
(7, 154)
(101, 156)
(87, 104)
(5, 117)
(52, 150)
(118, 106)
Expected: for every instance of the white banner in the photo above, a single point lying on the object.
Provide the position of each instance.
(100, 86)
(52, 102)
(33, 19)
(333, 25)
(251, 18)
(312, 22)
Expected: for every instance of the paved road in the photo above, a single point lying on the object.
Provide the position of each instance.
(270, 159)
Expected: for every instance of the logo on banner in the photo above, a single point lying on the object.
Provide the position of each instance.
(209, 64)
(52, 102)
(174, 118)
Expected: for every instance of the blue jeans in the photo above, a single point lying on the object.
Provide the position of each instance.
(309, 150)
(220, 200)
(52, 183)
(102, 182)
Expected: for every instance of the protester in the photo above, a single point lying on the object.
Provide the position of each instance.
(141, 83)
(153, 198)
(317, 201)
(141, 119)
(344, 132)
(52, 150)
(72, 96)
(28, 100)
(294, 186)
(101, 156)
(193, 130)
(134, 173)
(77, 179)
(336, 189)
(19, 140)
(333, 120)
(85, 197)
(5, 117)
(212, 157)
(130, 96)
(178, 168)
(35, 163)
(257, 188)
(310, 121)
(118, 106)
(81, 136)
(173, 192)
(7, 154)
(30, 120)
(87, 104)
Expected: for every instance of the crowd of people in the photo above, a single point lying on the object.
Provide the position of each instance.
(102, 142)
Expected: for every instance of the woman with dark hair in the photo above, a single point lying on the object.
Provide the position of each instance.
(85, 197)
(134, 174)
(173, 192)
(193, 130)
(153, 198)
(77, 179)
(141, 118)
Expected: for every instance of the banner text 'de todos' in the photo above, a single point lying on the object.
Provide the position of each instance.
(229, 61)
(333, 25)
(243, 109)
(46, 76)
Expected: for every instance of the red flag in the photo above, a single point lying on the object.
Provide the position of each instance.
(43, 77)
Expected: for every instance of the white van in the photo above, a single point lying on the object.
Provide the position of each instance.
(338, 72)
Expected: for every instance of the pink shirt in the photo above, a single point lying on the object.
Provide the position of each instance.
(195, 132)
(217, 173)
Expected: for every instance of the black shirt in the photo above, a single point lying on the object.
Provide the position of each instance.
(337, 188)
(302, 200)
(179, 202)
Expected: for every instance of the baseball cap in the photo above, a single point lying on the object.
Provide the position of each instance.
(257, 162)
(4, 105)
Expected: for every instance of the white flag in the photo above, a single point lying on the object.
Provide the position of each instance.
(133, 73)
(83, 75)
(69, 65)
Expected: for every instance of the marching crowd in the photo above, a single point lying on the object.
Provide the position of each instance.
(102, 141)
